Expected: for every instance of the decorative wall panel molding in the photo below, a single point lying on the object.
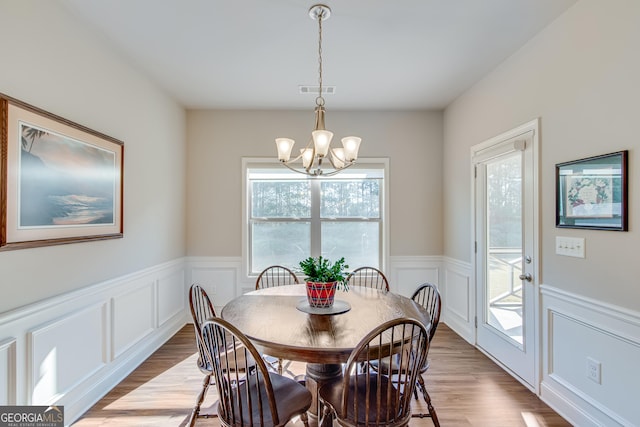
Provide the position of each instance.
(65, 352)
(219, 276)
(72, 349)
(407, 273)
(223, 280)
(132, 317)
(590, 359)
(458, 312)
(8, 371)
(171, 296)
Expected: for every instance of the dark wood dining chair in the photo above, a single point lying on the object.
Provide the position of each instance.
(428, 296)
(276, 275)
(368, 396)
(369, 277)
(250, 395)
(270, 277)
(201, 310)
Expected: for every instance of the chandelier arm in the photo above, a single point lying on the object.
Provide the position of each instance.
(345, 163)
(337, 171)
(303, 171)
(291, 160)
(317, 172)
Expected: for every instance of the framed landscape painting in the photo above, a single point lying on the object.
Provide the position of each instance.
(60, 182)
(592, 192)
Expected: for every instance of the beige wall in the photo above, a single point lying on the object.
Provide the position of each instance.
(581, 76)
(219, 139)
(51, 61)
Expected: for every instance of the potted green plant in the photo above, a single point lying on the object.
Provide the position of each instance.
(323, 278)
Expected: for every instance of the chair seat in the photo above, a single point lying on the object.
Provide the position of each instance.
(383, 366)
(237, 359)
(291, 398)
(375, 407)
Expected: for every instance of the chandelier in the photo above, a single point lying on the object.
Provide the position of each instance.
(315, 155)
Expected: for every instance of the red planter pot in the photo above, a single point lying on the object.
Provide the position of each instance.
(321, 294)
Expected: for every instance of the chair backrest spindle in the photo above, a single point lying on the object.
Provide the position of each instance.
(368, 396)
(243, 381)
(369, 277)
(201, 310)
(276, 275)
(428, 296)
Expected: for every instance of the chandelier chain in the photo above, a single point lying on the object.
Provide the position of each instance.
(320, 99)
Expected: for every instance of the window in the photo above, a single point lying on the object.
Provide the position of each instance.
(291, 217)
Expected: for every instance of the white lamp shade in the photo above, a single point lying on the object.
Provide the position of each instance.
(284, 145)
(337, 158)
(321, 140)
(351, 146)
(307, 157)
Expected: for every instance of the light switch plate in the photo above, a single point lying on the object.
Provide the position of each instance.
(570, 246)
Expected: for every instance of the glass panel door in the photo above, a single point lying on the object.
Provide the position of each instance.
(506, 242)
(503, 297)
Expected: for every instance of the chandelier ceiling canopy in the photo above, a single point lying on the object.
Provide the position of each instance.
(318, 158)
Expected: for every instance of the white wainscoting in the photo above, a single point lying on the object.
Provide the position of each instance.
(72, 349)
(575, 328)
(224, 279)
(220, 276)
(458, 310)
(137, 300)
(406, 273)
(8, 372)
(57, 363)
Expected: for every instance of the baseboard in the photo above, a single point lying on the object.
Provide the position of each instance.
(563, 406)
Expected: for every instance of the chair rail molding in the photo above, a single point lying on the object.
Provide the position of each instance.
(580, 335)
(125, 319)
(73, 348)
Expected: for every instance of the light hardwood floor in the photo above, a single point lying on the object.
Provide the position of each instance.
(467, 389)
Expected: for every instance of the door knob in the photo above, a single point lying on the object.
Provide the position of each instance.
(526, 277)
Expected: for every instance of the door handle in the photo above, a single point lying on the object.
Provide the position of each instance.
(526, 277)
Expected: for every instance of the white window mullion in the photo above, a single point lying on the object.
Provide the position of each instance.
(316, 226)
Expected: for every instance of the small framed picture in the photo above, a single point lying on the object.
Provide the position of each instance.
(592, 192)
(60, 182)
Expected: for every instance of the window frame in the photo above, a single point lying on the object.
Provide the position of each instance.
(248, 163)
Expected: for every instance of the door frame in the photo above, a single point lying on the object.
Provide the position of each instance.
(531, 126)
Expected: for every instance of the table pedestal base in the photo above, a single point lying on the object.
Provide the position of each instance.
(318, 375)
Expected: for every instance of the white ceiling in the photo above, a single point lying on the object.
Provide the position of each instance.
(253, 54)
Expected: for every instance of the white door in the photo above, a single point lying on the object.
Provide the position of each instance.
(505, 246)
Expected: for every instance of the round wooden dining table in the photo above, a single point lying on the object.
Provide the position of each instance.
(278, 322)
